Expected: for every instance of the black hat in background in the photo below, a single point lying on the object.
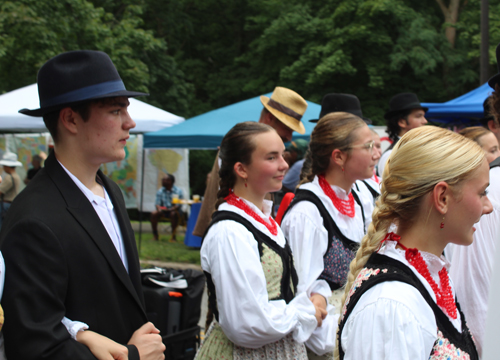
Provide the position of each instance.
(495, 78)
(341, 102)
(403, 102)
(77, 76)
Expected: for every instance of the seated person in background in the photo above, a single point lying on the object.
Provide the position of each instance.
(485, 138)
(165, 207)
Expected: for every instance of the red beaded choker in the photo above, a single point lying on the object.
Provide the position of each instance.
(345, 207)
(444, 296)
(232, 199)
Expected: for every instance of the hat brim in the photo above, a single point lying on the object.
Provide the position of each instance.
(42, 111)
(289, 121)
(494, 80)
(389, 114)
(368, 121)
(10, 163)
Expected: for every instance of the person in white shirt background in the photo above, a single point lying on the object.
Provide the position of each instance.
(399, 300)
(255, 307)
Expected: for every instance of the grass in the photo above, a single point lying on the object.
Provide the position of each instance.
(164, 250)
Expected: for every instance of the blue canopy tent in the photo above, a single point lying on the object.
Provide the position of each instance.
(467, 108)
(207, 130)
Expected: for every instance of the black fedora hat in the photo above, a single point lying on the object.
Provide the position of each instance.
(495, 78)
(403, 102)
(77, 76)
(341, 102)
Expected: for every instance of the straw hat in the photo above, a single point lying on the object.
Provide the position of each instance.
(287, 106)
(10, 159)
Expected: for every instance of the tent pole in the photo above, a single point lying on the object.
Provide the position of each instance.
(142, 195)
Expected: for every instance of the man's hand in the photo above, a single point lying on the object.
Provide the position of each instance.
(148, 342)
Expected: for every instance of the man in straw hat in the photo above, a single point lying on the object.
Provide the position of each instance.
(405, 113)
(67, 241)
(283, 111)
(11, 184)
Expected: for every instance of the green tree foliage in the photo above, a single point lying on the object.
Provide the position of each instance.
(32, 31)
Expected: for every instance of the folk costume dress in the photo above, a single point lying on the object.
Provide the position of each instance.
(391, 312)
(323, 240)
(252, 291)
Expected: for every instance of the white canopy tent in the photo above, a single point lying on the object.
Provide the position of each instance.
(147, 117)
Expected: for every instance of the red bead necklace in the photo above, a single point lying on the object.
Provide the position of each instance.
(234, 200)
(444, 296)
(345, 207)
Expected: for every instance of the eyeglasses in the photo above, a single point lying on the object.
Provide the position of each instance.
(368, 146)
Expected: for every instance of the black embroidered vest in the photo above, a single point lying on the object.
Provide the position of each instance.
(450, 344)
(341, 250)
(289, 279)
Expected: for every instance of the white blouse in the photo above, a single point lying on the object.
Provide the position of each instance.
(471, 270)
(303, 227)
(392, 320)
(230, 254)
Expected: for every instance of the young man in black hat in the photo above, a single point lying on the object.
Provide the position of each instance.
(405, 113)
(67, 241)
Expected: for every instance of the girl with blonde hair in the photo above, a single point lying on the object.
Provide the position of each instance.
(325, 221)
(399, 302)
(255, 308)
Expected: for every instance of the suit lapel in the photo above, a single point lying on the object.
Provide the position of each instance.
(84, 213)
(127, 233)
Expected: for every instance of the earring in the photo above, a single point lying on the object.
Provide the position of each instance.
(342, 168)
(246, 182)
(442, 224)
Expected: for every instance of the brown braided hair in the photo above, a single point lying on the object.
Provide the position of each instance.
(333, 131)
(237, 146)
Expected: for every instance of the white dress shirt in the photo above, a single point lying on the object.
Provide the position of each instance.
(247, 316)
(392, 320)
(105, 210)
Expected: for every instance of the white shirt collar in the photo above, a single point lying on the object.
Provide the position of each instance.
(106, 201)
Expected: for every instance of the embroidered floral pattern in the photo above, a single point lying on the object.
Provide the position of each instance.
(444, 350)
(273, 271)
(284, 349)
(337, 262)
(362, 276)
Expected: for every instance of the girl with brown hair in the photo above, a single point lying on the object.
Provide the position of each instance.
(399, 301)
(255, 310)
(325, 222)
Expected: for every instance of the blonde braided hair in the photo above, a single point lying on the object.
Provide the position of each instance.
(422, 158)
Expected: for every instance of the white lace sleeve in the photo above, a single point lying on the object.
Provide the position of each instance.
(74, 327)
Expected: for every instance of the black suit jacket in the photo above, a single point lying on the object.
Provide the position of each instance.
(60, 262)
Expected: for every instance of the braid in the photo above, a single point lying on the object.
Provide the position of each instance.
(226, 182)
(383, 216)
(306, 174)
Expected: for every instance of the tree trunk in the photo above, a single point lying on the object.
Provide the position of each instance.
(450, 13)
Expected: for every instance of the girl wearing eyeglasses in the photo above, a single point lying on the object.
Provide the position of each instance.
(325, 222)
